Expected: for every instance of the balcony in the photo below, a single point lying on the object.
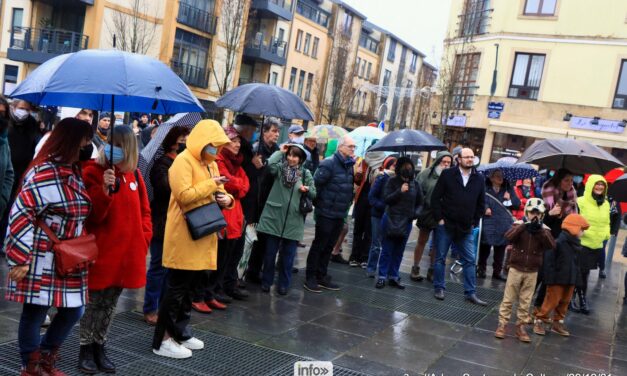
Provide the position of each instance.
(312, 12)
(197, 18)
(273, 9)
(31, 45)
(191, 75)
(273, 52)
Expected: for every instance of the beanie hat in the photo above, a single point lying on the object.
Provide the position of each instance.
(573, 223)
(104, 115)
(231, 132)
(388, 162)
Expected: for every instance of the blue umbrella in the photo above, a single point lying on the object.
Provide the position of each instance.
(364, 137)
(511, 171)
(266, 100)
(104, 79)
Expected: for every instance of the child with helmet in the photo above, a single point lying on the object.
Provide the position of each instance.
(528, 239)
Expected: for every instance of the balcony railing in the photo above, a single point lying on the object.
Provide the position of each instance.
(32, 45)
(369, 43)
(273, 8)
(273, 52)
(191, 75)
(314, 13)
(197, 18)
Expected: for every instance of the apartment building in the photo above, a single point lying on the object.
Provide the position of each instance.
(536, 69)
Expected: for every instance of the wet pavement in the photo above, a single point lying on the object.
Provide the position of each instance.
(363, 331)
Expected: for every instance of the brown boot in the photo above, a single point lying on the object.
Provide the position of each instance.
(538, 327)
(559, 328)
(521, 333)
(32, 368)
(48, 363)
(500, 331)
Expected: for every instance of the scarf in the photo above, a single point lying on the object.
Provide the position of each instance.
(600, 199)
(553, 195)
(232, 161)
(290, 175)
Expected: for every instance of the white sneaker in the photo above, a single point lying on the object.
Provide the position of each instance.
(193, 344)
(170, 349)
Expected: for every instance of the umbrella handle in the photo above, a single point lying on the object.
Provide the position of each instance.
(111, 189)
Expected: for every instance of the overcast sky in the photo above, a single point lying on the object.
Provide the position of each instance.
(421, 23)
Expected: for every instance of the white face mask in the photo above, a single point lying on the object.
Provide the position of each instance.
(298, 140)
(20, 114)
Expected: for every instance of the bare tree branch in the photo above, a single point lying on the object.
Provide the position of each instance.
(341, 75)
(132, 31)
(232, 15)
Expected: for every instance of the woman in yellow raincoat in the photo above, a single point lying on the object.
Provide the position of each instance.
(195, 181)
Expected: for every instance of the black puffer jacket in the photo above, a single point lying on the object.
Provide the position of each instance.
(161, 195)
(561, 266)
(401, 204)
(23, 138)
(334, 185)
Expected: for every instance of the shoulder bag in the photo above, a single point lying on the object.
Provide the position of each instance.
(206, 219)
(306, 205)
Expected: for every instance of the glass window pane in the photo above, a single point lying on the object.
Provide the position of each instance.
(622, 82)
(535, 72)
(520, 69)
(532, 6)
(548, 7)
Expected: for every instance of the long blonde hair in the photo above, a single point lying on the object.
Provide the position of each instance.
(124, 138)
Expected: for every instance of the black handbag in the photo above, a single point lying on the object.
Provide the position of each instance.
(306, 205)
(205, 220)
(396, 226)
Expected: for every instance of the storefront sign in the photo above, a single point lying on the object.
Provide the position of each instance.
(494, 114)
(496, 106)
(456, 121)
(612, 126)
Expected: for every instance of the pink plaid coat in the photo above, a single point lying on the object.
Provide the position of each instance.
(55, 193)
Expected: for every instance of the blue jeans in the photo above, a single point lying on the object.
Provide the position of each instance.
(155, 277)
(33, 315)
(287, 252)
(391, 252)
(375, 246)
(466, 250)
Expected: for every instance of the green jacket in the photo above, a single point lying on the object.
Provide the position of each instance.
(597, 215)
(276, 212)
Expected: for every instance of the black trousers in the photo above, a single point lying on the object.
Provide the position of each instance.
(175, 310)
(230, 273)
(326, 234)
(257, 254)
(211, 281)
(499, 255)
(362, 237)
(540, 290)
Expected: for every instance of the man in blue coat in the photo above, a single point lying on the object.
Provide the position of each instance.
(334, 185)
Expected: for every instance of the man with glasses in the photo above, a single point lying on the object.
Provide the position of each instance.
(334, 184)
(458, 204)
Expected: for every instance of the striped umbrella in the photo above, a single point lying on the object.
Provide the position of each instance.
(326, 131)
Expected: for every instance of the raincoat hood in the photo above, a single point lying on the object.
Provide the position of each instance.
(375, 159)
(439, 156)
(592, 180)
(301, 147)
(204, 133)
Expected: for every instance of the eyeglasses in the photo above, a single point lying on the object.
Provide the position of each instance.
(468, 157)
(351, 146)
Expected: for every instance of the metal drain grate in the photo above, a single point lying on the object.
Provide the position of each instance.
(443, 312)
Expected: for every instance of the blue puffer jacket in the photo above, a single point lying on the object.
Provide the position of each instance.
(334, 187)
(375, 196)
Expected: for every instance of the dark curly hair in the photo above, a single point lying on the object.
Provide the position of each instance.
(172, 136)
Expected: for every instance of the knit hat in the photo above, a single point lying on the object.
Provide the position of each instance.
(573, 223)
(231, 132)
(104, 114)
(388, 162)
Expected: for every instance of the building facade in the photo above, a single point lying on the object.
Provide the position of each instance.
(535, 69)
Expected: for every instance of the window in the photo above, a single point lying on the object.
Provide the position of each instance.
(274, 78)
(392, 50)
(357, 63)
(363, 102)
(307, 44)
(308, 87)
(312, 12)
(314, 48)
(540, 7)
(414, 61)
(355, 106)
(347, 25)
(362, 72)
(368, 71)
(292, 79)
(466, 70)
(475, 17)
(301, 83)
(526, 76)
(281, 35)
(386, 78)
(189, 57)
(10, 79)
(299, 40)
(620, 99)
(16, 20)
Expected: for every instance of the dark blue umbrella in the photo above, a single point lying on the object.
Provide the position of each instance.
(104, 79)
(266, 100)
(511, 171)
(408, 140)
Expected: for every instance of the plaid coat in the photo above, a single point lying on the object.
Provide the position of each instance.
(55, 193)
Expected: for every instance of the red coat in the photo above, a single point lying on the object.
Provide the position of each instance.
(123, 229)
(519, 213)
(230, 166)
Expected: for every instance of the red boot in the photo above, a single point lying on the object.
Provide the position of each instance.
(48, 361)
(32, 368)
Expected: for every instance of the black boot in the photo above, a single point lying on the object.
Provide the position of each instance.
(481, 272)
(86, 363)
(100, 356)
(583, 302)
(430, 274)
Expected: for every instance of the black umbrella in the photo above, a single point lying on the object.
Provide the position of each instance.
(408, 140)
(266, 100)
(618, 189)
(580, 157)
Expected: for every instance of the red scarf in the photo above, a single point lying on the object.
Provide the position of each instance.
(232, 161)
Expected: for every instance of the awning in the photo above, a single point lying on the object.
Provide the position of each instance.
(610, 140)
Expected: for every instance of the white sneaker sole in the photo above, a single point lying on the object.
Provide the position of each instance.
(193, 346)
(172, 355)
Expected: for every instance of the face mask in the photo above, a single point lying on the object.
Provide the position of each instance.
(210, 150)
(299, 140)
(20, 114)
(407, 174)
(577, 179)
(181, 148)
(85, 152)
(118, 154)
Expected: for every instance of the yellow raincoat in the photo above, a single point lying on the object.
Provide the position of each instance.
(192, 186)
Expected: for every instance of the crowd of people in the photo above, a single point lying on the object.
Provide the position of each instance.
(544, 240)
